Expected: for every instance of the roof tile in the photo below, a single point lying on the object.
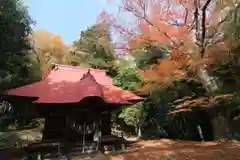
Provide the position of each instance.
(67, 84)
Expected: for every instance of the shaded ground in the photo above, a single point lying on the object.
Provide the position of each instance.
(175, 150)
(163, 149)
(19, 137)
(95, 157)
(181, 150)
(9, 141)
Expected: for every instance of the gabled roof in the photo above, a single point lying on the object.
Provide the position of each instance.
(67, 84)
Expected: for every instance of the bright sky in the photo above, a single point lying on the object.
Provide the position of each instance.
(65, 18)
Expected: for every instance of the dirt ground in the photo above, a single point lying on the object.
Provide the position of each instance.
(165, 149)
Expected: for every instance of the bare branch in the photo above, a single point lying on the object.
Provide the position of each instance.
(196, 20)
(145, 18)
(214, 33)
(186, 16)
(202, 50)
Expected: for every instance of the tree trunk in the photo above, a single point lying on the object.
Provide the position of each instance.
(139, 132)
(208, 82)
(221, 129)
(220, 124)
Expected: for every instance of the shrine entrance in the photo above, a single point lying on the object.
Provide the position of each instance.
(76, 108)
(81, 125)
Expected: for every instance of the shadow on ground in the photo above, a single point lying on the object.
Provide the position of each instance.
(158, 150)
(11, 142)
(181, 150)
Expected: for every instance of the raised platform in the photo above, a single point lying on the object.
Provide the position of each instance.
(59, 148)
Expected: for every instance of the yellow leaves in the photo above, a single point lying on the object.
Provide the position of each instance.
(49, 48)
(116, 62)
(85, 65)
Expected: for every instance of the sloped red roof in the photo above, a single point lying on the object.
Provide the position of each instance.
(67, 84)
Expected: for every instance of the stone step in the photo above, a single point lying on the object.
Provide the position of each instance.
(61, 158)
(81, 144)
(113, 148)
(92, 146)
(56, 158)
(47, 157)
(79, 153)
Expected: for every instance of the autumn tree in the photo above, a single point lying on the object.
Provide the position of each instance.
(76, 57)
(173, 24)
(49, 48)
(193, 31)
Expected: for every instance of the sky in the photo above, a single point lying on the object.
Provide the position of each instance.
(65, 18)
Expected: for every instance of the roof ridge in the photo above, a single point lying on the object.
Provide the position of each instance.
(46, 74)
(76, 68)
(88, 73)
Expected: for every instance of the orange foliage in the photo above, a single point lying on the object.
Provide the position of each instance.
(162, 74)
(152, 35)
(204, 102)
(168, 22)
(58, 41)
(158, 21)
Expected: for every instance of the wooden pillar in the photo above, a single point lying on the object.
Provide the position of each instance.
(66, 137)
(54, 127)
(45, 134)
(106, 124)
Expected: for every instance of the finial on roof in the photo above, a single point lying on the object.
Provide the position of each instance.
(88, 70)
(88, 73)
(54, 66)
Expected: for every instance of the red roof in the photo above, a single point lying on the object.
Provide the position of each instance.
(67, 84)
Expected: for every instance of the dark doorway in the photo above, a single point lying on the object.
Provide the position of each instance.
(201, 123)
(190, 126)
(206, 126)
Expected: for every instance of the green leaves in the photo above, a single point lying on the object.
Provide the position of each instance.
(127, 77)
(15, 61)
(149, 54)
(134, 116)
(96, 43)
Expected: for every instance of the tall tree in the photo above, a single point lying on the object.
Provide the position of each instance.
(15, 62)
(192, 30)
(174, 24)
(128, 78)
(96, 43)
(48, 49)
